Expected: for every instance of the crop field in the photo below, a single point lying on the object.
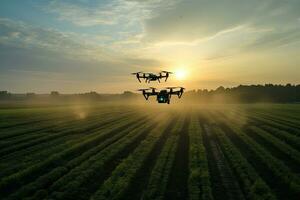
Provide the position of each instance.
(150, 152)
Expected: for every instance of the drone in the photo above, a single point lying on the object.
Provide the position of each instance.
(162, 96)
(152, 76)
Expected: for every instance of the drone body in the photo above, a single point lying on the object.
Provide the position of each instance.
(163, 96)
(152, 76)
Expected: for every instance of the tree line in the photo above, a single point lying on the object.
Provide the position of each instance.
(249, 94)
(243, 93)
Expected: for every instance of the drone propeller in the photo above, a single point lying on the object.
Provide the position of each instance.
(138, 76)
(167, 72)
(145, 94)
(153, 89)
(175, 87)
(134, 73)
(143, 89)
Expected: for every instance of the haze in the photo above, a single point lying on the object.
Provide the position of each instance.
(82, 45)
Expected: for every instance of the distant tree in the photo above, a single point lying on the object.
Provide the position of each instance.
(251, 93)
(220, 89)
(54, 93)
(288, 93)
(92, 93)
(4, 94)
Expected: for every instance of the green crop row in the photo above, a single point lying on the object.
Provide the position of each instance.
(199, 179)
(38, 153)
(285, 117)
(115, 186)
(31, 134)
(34, 122)
(161, 172)
(279, 119)
(48, 126)
(59, 126)
(33, 155)
(69, 182)
(281, 146)
(29, 119)
(93, 168)
(281, 174)
(269, 122)
(69, 130)
(19, 159)
(252, 116)
(14, 181)
(252, 185)
(276, 167)
(284, 136)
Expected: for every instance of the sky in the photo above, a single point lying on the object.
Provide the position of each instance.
(75, 46)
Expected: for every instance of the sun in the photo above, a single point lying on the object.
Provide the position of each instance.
(181, 74)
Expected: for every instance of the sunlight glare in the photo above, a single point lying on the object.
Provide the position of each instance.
(181, 74)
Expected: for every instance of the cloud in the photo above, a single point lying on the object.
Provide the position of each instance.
(19, 34)
(216, 30)
(31, 53)
(81, 15)
(68, 44)
(192, 20)
(114, 12)
(275, 38)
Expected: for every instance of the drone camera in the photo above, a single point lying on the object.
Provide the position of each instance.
(162, 98)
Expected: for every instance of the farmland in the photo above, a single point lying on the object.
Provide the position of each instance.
(150, 152)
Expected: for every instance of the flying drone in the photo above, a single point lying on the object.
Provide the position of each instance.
(162, 96)
(152, 76)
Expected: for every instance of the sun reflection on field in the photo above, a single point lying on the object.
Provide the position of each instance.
(80, 112)
(81, 115)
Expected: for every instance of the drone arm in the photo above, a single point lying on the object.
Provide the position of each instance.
(179, 94)
(167, 76)
(146, 95)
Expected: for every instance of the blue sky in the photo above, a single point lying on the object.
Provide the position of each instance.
(83, 45)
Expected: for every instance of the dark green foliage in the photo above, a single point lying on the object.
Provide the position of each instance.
(199, 179)
(131, 152)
